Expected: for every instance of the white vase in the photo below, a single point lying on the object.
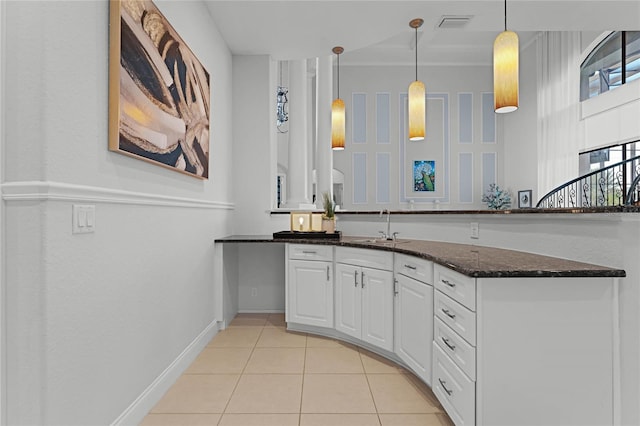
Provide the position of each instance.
(329, 225)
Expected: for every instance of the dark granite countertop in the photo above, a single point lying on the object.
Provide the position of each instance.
(564, 210)
(470, 260)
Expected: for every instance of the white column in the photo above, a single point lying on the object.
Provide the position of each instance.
(311, 125)
(298, 135)
(324, 154)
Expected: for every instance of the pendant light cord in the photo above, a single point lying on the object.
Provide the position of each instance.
(505, 15)
(416, 53)
(338, 75)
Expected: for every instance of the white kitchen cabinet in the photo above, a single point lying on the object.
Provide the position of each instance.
(413, 333)
(364, 297)
(310, 285)
(514, 351)
(348, 300)
(545, 351)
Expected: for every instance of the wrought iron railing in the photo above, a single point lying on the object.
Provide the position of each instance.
(615, 185)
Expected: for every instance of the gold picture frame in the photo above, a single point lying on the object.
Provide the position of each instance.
(159, 92)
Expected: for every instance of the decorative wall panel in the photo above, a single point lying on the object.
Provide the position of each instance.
(465, 117)
(488, 119)
(359, 177)
(383, 177)
(465, 177)
(382, 118)
(359, 120)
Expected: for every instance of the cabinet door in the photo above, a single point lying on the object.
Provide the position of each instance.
(377, 307)
(414, 325)
(348, 300)
(310, 293)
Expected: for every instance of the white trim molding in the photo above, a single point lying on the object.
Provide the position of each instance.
(152, 394)
(58, 191)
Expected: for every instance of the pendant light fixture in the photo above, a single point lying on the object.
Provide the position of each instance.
(337, 112)
(505, 69)
(417, 100)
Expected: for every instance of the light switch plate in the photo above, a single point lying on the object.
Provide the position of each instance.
(83, 218)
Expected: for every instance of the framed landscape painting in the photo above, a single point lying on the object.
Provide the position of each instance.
(159, 93)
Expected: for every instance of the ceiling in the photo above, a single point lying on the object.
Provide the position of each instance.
(377, 31)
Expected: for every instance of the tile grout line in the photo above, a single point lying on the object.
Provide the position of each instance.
(366, 376)
(224, 411)
(304, 370)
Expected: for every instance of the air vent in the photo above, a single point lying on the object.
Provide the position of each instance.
(454, 21)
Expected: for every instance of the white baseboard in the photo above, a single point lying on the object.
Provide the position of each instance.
(134, 414)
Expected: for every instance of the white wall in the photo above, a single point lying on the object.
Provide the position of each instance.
(520, 130)
(441, 80)
(2, 237)
(608, 119)
(254, 147)
(612, 117)
(94, 321)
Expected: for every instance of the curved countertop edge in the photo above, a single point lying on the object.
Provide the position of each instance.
(473, 261)
(563, 210)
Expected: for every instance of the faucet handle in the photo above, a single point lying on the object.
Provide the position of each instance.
(384, 236)
(394, 235)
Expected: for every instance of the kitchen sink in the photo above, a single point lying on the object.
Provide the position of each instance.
(379, 241)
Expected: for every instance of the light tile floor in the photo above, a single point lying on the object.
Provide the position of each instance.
(257, 373)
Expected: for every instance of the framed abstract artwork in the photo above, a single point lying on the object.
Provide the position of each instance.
(159, 93)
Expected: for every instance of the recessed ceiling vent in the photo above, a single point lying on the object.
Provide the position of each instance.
(454, 21)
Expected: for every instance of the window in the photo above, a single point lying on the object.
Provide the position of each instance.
(632, 55)
(614, 62)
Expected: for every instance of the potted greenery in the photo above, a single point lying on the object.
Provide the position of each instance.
(329, 216)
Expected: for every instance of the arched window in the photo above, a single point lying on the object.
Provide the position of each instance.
(614, 62)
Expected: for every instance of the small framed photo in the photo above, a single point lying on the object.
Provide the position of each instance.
(301, 221)
(524, 199)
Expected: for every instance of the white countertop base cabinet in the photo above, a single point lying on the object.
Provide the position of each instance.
(545, 351)
(364, 295)
(504, 351)
(310, 285)
(414, 313)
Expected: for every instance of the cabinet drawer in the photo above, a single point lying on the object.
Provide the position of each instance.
(455, 285)
(457, 317)
(455, 391)
(310, 252)
(363, 257)
(414, 267)
(460, 352)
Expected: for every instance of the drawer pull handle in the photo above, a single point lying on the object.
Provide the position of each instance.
(447, 313)
(449, 345)
(309, 252)
(355, 278)
(449, 392)
(410, 267)
(449, 283)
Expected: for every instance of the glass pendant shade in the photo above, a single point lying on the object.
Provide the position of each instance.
(505, 72)
(337, 124)
(417, 117)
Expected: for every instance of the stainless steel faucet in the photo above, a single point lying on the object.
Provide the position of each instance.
(387, 236)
